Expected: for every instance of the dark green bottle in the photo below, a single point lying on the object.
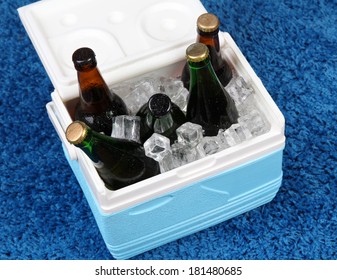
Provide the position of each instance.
(119, 162)
(160, 115)
(208, 34)
(208, 103)
(97, 104)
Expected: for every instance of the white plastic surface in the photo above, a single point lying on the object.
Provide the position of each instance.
(127, 36)
(60, 130)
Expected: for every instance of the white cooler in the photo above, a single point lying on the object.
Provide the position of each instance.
(140, 38)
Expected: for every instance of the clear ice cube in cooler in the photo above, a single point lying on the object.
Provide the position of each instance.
(139, 93)
(247, 106)
(238, 89)
(126, 127)
(229, 136)
(174, 88)
(156, 146)
(178, 153)
(190, 134)
(184, 154)
(242, 131)
(210, 145)
(255, 122)
(167, 162)
(235, 134)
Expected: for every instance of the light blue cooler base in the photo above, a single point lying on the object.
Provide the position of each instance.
(195, 207)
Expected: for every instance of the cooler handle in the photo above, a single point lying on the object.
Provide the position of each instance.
(61, 133)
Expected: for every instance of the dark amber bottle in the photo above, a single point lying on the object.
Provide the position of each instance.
(209, 104)
(119, 162)
(160, 115)
(97, 104)
(208, 34)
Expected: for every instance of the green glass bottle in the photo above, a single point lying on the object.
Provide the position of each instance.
(97, 103)
(208, 34)
(209, 104)
(160, 115)
(119, 162)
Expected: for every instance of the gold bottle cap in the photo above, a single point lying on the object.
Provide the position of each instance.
(76, 132)
(208, 22)
(197, 52)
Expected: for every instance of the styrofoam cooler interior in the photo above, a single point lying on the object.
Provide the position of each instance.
(151, 39)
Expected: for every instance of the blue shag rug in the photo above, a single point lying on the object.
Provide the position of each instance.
(291, 45)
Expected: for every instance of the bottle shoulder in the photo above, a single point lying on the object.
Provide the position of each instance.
(103, 139)
(143, 111)
(178, 113)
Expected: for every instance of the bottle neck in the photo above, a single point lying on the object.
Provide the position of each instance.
(90, 78)
(211, 39)
(92, 89)
(88, 146)
(94, 142)
(163, 123)
(200, 71)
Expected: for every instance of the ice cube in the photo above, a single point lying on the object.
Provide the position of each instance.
(122, 89)
(180, 99)
(247, 106)
(239, 89)
(171, 85)
(189, 134)
(184, 154)
(174, 88)
(167, 162)
(229, 137)
(242, 131)
(255, 122)
(139, 94)
(210, 145)
(147, 86)
(126, 127)
(235, 134)
(156, 146)
(178, 153)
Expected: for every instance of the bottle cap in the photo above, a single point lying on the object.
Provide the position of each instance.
(208, 22)
(76, 132)
(84, 58)
(159, 104)
(197, 52)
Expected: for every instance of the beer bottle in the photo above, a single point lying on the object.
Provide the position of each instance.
(97, 104)
(119, 162)
(207, 33)
(160, 115)
(208, 105)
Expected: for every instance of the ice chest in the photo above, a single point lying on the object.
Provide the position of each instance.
(140, 38)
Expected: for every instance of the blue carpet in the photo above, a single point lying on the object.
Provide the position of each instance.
(292, 46)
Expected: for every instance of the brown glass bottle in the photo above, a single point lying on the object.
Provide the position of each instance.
(119, 162)
(97, 103)
(208, 30)
(160, 115)
(209, 104)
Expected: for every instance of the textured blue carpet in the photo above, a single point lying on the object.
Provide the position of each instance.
(292, 46)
